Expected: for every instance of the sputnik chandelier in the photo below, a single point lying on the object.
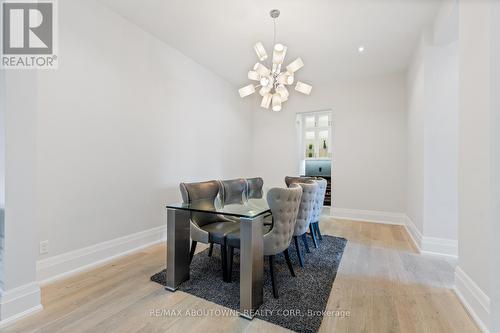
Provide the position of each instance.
(272, 81)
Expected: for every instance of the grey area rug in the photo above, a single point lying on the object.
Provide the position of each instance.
(302, 299)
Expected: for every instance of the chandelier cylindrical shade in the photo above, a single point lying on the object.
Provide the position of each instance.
(303, 88)
(261, 51)
(247, 90)
(295, 65)
(279, 54)
(264, 90)
(261, 69)
(276, 102)
(282, 91)
(266, 101)
(253, 75)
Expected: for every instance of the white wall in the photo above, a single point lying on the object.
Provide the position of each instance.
(495, 160)
(445, 26)
(432, 83)
(18, 292)
(474, 162)
(369, 141)
(415, 148)
(2, 171)
(441, 142)
(123, 120)
(2, 145)
(474, 270)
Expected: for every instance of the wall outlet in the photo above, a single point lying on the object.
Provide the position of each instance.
(44, 247)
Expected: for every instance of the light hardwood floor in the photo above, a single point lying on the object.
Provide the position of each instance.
(382, 282)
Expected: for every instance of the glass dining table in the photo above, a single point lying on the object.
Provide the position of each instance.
(251, 214)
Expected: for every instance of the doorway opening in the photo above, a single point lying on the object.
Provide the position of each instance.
(314, 132)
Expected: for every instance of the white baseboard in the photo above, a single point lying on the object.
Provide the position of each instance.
(415, 234)
(19, 302)
(473, 298)
(425, 245)
(431, 245)
(440, 247)
(368, 216)
(70, 263)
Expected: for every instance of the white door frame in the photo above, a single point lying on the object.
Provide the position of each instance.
(298, 138)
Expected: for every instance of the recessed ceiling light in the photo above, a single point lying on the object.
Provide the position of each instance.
(361, 49)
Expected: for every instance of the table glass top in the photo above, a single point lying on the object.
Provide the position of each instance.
(248, 208)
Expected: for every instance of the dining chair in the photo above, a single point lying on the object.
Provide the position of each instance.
(232, 191)
(297, 180)
(254, 188)
(255, 191)
(305, 214)
(207, 228)
(318, 206)
(284, 204)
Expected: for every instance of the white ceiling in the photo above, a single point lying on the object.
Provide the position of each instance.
(220, 34)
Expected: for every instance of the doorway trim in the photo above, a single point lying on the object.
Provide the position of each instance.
(298, 138)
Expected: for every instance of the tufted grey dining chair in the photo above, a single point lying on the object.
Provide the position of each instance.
(284, 204)
(304, 217)
(254, 188)
(255, 191)
(318, 209)
(294, 180)
(207, 228)
(318, 206)
(233, 191)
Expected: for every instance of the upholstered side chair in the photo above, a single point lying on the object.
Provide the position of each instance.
(318, 209)
(207, 228)
(254, 188)
(233, 191)
(293, 180)
(284, 204)
(304, 217)
(255, 191)
(318, 206)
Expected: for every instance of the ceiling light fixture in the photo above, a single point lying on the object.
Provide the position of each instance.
(272, 82)
(361, 49)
